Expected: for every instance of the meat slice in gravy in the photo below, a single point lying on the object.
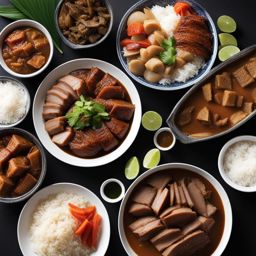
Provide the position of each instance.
(75, 83)
(211, 209)
(243, 77)
(141, 222)
(140, 210)
(65, 88)
(172, 194)
(55, 125)
(6, 185)
(160, 181)
(117, 127)
(251, 68)
(169, 210)
(94, 76)
(185, 116)
(206, 223)
(63, 138)
(18, 144)
(17, 166)
(188, 245)
(207, 92)
(122, 110)
(52, 110)
(5, 155)
(160, 200)
(81, 74)
(112, 92)
(145, 195)
(223, 81)
(34, 158)
(186, 193)
(191, 227)
(107, 80)
(25, 185)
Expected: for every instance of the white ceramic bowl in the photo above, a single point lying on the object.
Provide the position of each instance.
(24, 221)
(39, 102)
(164, 129)
(18, 24)
(221, 159)
(223, 195)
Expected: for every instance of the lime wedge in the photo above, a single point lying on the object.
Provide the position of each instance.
(227, 39)
(132, 168)
(226, 24)
(227, 52)
(151, 121)
(152, 158)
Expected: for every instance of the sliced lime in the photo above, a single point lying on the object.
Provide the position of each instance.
(226, 24)
(152, 158)
(151, 121)
(132, 168)
(227, 52)
(227, 39)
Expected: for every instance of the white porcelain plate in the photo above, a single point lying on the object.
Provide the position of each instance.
(64, 69)
(25, 219)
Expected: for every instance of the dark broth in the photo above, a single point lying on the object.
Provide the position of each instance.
(145, 248)
(112, 190)
(164, 139)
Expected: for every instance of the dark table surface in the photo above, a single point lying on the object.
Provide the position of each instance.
(203, 155)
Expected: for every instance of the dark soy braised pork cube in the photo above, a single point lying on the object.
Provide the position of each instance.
(18, 144)
(34, 157)
(122, 110)
(55, 125)
(94, 76)
(17, 167)
(117, 127)
(6, 185)
(112, 92)
(5, 155)
(107, 80)
(63, 138)
(75, 83)
(25, 185)
(81, 73)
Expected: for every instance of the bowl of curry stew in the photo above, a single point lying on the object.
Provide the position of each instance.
(26, 48)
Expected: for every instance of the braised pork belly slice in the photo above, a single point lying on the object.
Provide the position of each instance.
(144, 195)
(18, 144)
(160, 200)
(159, 181)
(188, 245)
(6, 185)
(186, 193)
(55, 125)
(206, 223)
(61, 94)
(52, 98)
(149, 230)
(80, 73)
(192, 226)
(112, 92)
(179, 217)
(139, 210)
(25, 185)
(17, 166)
(63, 138)
(197, 198)
(211, 209)
(107, 80)
(52, 110)
(75, 83)
(169, 210)
(183, 200)
(117, 127)
(65, 88)
(172, 194)
(176, 194)
(93, 77)
(141, 222)
(5, 155)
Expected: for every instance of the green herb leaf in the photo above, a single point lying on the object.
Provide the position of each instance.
(168, 56)
(11, 12)
(86, 113)
(168, 43)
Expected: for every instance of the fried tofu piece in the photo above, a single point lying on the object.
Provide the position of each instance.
(37, 61)
(6, 185)
(18, 144)
(229, 98)
(237, 117)
(223, 81)
(243, 77)
(5, 155)
(218, 97)
(240, 100)
(25, 184)
(248, 107)
(17, 166)
(185, 116)
(251, 68)
(207, 92)
(204, 115)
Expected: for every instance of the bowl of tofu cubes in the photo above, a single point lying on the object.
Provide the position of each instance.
(224, 100)
(22, 165)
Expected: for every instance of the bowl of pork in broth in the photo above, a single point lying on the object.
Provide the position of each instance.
(175, 209)
(87, 112)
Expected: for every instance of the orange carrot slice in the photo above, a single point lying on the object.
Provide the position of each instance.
(82, 228)
(85, 236)
(96, 228)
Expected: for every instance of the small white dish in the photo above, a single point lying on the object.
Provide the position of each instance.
(221, 159)
(39, 100)
(222, 193)
(164, 129)
(18, 24)
(25, 219)
(108, 199)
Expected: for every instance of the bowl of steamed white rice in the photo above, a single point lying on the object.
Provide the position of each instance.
(160, 19)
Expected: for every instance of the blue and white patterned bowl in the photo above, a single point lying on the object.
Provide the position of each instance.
(121, 34)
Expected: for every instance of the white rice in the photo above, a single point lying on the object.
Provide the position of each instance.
(14, 100)
(182, 74)
(52, 229)
(240, 163)
(166, 17)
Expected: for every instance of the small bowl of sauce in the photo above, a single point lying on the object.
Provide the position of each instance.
(164, 139)
(112, 190)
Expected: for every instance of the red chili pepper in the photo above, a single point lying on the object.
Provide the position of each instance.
(141, 43)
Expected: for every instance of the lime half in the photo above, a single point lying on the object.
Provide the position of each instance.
(227, 52)
(132, 168)
(152, 158)
(226, 24)
(151, 121)
(227, 39)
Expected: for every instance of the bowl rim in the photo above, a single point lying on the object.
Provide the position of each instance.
(222, 153)
(19, 83)
(25, 23)
(80, 46)
(159, 86)
(64, 184)
(35, 141)
(123, 147)
(222, 193)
